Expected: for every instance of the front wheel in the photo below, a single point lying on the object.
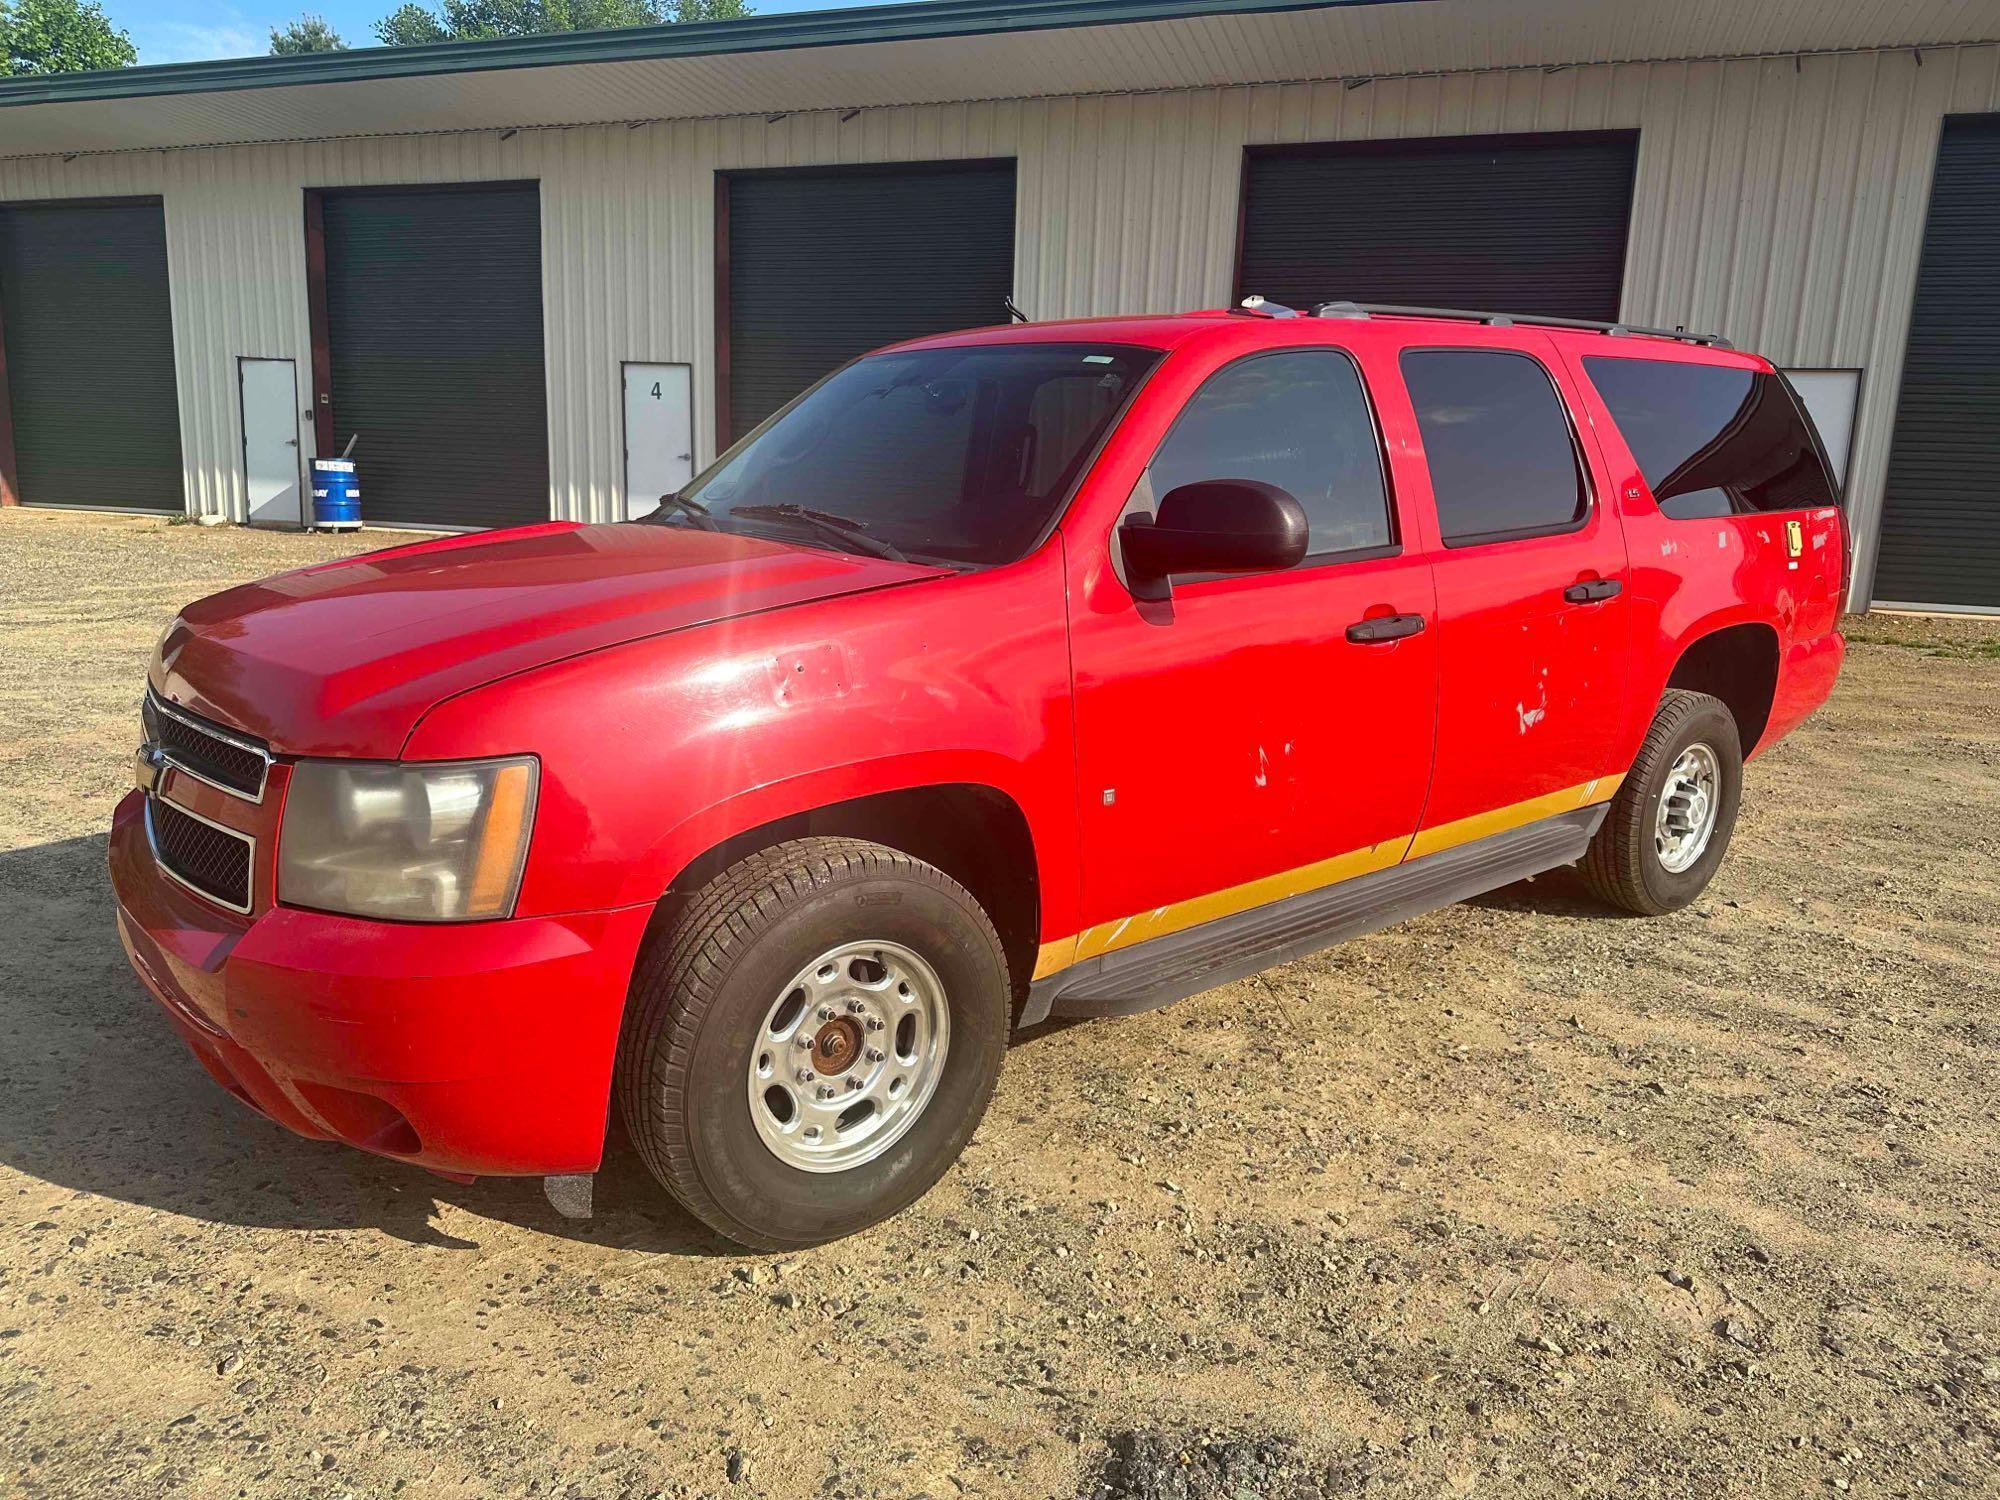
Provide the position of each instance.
(1671, 820)
(814, 1042)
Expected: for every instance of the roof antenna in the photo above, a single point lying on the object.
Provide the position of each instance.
(1013, 312)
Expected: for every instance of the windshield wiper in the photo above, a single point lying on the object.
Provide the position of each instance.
(840, 528)
(676, 505)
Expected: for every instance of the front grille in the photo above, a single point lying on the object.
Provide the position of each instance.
(214, 754)
(201, 856)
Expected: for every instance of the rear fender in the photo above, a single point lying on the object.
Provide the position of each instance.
(1690, 639)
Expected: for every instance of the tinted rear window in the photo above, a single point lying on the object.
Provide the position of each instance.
(1501, 461)
(1713, 441)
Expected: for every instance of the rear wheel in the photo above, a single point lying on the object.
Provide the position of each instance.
(1669, 825)
(814, 1042)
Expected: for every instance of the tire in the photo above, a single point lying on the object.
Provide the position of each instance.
(1624, 865)
(699, 1021)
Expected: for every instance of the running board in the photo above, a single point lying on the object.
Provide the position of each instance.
(1165, 969)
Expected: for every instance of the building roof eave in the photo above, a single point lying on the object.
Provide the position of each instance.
(925, 20)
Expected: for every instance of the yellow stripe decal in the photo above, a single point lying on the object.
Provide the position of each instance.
(1109, 937)
(1485, 825)
(1054, 956)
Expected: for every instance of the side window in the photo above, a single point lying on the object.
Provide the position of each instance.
(1713, 441)
(1501, 460)
(1299, 420)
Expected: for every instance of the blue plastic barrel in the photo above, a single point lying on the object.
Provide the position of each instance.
(336, 495)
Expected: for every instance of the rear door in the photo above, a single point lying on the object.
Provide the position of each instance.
(1234, 746)
(1533, 621)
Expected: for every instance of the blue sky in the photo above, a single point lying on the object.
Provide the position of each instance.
(168, 31)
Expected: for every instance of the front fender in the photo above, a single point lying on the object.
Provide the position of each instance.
(682, 845)
(656, 751)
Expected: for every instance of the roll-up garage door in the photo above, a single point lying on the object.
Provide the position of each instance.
(1501, 223)
(433, 327)
(1941, 510)
(89, 349)
(825, 265)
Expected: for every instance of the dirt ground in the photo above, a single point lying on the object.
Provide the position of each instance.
(1518, 1199)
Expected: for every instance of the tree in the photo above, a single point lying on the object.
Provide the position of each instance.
(412, 24)
(60, 36)
(705, 10)
(409, 26)
(309, 33)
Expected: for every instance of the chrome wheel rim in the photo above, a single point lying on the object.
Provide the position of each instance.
(847, 1056)
(1685, 819)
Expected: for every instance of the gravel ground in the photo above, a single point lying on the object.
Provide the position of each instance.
(1521, 1198)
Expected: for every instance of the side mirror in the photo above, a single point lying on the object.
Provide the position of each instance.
(1217, 526)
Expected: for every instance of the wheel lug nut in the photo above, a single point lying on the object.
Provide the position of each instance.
(826, 1012)
(853, 1083)
(855, 1007)
(874, 1023)
(826, 1091)
(806, 1075)
(804, 1042)
(874, 1054)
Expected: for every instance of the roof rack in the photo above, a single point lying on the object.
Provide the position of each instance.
(1257, 307)
(1507, 320)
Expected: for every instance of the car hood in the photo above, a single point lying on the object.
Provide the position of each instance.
(345, 657)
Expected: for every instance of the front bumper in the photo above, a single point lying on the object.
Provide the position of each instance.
(475, 1048)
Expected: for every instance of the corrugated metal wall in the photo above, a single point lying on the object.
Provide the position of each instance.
(1779, 201)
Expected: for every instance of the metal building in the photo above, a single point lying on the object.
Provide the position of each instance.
(550, 276)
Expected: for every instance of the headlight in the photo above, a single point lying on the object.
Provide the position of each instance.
(419, 843)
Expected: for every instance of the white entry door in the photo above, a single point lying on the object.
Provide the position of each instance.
(1830, 397)
(271, 441)
(659, 434)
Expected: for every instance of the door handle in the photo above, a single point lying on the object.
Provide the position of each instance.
(1384, 628)
(1592, 591)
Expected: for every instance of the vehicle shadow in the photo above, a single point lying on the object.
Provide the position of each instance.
(1555, 893)
(97, 1094)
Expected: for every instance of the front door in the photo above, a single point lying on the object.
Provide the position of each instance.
(1235, 746)
(1532, 614)
(659, 434)
(270, 395)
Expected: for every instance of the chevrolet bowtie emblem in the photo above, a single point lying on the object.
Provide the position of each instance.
(148, 761)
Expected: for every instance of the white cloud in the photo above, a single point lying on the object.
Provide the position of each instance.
(232, 35)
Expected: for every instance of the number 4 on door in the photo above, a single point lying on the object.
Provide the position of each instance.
(659, 434)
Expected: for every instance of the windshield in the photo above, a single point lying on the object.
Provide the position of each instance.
(958, 456)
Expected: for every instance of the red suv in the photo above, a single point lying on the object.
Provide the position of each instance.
(1061, 669)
